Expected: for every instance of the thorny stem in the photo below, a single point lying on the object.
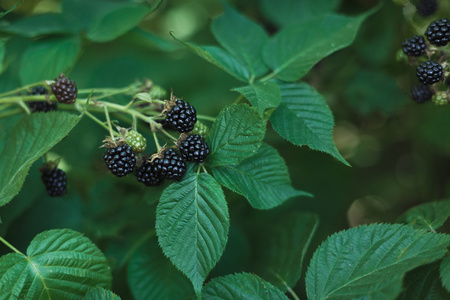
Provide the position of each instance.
(10, 246)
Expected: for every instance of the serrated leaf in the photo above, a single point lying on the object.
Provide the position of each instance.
(262, 95)
(100, 293)
(46, 58)
(33, 136)
(241, 286)
(445, 272)
(294, 50)
(430, 216)
(192, 225)
(304, 118)
(370, 261)
(283, 247)
(41, 24)
(243, 38)
(218, 57)
(60, 264)
(262, 178)
(236, 134)
(153, 276)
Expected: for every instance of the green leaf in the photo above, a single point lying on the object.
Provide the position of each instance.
(41, 24)
(218, 57)
(2, 56)
(445, 272)
(153, 276)
(33, 136)
(241, 286)
(46, 58)
(242, 38)
(149, 40)
(236, 134)
(60, 264)
(282, 249)
(304, 118)
(262, 95)
(192, 225)
(296, 49)
(262, 178)
(429, 216)
(370, 261)
(100, 293)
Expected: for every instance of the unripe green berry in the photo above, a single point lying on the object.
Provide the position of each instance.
(137, 142)
(440, 98)
(200, 129)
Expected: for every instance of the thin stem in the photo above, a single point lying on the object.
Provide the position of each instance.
(134, 124)
(10, 246)
(238, 99)
(203, 168)
(167, 134)
(109, 122)
(24, 107)
(198, 170)
(207, 118)
(158, 147)
(96, 120)
(291, 291)
(268, 77)
(23, 88)
(10, 112)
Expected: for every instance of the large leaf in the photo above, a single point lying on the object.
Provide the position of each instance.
(33, 136)
(45, 59)
(100, 293)
(153, 276)
(262, 178)
(429, 216)
(304, 118)
(262, 95)
(296, 49)
(445, 272)
(192, 225)
(236, 134)
(370, 261)
(243, 38)
(41, 24)
(60, 264)
(241, 286)
(282, 249)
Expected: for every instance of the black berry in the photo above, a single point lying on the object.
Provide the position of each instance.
(194, 148)
(438, 33)
(181, 117)
(55, 181)
(64, 89)
(421, 93)
(171, 166)
(426, 8)
(120, 160)
(149, 174)
(40, 106)
(430, 72)
(414, 46)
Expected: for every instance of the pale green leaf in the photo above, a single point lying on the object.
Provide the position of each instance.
(241, 286)
(429, 216)
(236, 134)
(243, 38)
(370, 261)
(304, 118)
(46, 58)
(262, 178)
(153, 276)
(192, 225)
(31, 138)
(262, 95)
(100, 293)
(60, 264)
(445, 272)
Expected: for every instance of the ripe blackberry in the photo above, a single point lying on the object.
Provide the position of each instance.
(421, 93)
(430, 72)
(55, 181)
(426, 8)
(149, 174)
(120, 160)
(40, 106)
(137, 142)
(440, 98)
(64, 89)
(414, 46)
(171, 166)
(438, 33)
(181, 117)
(194, 148)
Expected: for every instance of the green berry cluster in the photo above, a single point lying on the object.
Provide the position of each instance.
(136, 140)
(440, 98)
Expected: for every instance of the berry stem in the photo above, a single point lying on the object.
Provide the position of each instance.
(203, 168)
(111, 132)
(158, 146)
(238, 99)
(10, 246)
(206, 118)
(96, 120)
(22, 88)
(268, 76)
(10, 112)
(24, 107)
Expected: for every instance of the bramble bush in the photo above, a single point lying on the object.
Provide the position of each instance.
(201, 109)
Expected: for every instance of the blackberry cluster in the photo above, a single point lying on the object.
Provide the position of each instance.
(426, 8)
(64, 89)
(194, 148)
(421, 93)
(149, 174)
(55, 181)
(438, 33)
(40, 106)
(120, 160)
(430, 72)
(171, 165)
(181, 117)
(414, 46)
